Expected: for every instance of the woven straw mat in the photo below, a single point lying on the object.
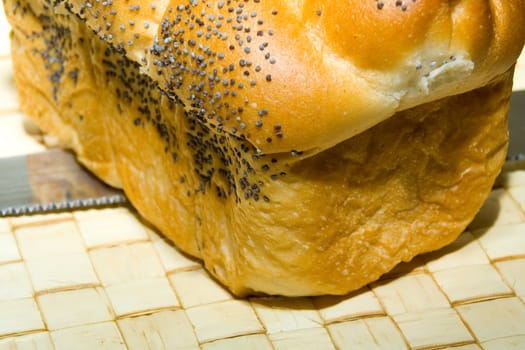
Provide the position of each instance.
(100, 279)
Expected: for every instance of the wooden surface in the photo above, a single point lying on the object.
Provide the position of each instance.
(101, 279)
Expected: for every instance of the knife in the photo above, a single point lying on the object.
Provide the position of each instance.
(51, 181)
(517, 126)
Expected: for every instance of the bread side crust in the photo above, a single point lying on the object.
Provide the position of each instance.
(327, 224)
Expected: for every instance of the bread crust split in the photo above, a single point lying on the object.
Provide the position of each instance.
(316, 179)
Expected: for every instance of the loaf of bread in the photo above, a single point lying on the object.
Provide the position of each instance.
(296, 147)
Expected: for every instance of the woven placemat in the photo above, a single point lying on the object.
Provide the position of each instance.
(102, 279)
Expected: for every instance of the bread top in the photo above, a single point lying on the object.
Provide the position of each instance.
(300, 76)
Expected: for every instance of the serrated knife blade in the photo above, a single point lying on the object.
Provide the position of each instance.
(51, 181)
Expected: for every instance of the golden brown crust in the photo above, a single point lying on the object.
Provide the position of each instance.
(293, 224)
(336, 67)
(61, 98)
